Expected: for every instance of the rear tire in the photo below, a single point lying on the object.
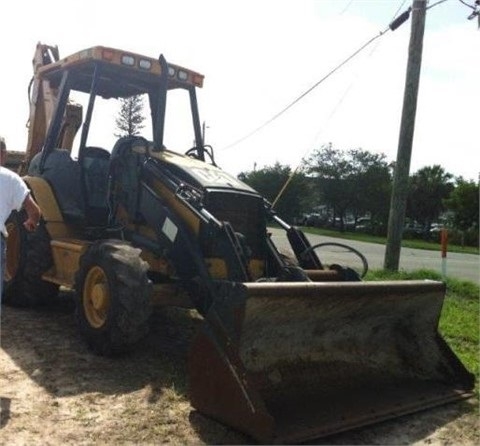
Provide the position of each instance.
(29, 256)
(113, 297)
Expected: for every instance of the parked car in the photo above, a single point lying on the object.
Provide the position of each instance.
(313, 219)
(363, 224)
(435, 228)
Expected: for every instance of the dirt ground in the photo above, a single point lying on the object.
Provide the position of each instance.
(54, 391)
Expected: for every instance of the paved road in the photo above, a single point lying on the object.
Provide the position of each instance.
(460, 266)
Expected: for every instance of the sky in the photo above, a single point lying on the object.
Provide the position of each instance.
(260, 55)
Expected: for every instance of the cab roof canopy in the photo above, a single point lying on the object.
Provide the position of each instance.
(121, 73)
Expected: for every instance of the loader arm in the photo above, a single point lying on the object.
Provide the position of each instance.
(177, 238)
(301, 247)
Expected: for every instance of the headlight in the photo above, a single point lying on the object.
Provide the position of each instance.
(182, 75)
(128, 60)
(144, 64)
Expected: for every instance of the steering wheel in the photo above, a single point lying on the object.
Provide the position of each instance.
(341, 245)
(208, 150)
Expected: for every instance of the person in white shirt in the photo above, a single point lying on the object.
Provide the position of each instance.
(14, 194)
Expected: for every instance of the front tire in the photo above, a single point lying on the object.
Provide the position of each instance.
(113, 297)
(29, 256)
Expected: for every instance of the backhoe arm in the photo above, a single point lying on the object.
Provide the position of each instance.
(42, 99)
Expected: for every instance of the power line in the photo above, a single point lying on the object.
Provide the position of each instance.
(435, 4)
(317, 138)
(474, 8)
(398, 9)
(346, 7)
(395, 23)
(392, 26)
(466, 4)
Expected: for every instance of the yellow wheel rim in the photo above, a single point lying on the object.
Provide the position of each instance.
(96, 297)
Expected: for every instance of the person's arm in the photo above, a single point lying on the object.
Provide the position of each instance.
(33, 213)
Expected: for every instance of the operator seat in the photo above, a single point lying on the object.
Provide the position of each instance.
(95, 168)
(63, 175)
(125, 168)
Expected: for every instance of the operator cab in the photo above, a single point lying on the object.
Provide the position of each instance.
(99, 78)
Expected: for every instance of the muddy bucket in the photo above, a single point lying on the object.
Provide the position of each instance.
(291, 362)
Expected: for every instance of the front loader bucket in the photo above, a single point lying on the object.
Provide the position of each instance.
(291, 362)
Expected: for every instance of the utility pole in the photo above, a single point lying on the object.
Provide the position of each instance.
(398, 202)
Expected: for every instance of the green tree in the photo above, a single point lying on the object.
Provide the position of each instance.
(372, 181)
(130, 116)
(463, 203)
(269, 181)
(332, 172)
(354, 181)
(428, 189)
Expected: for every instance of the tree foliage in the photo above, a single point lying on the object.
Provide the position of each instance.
(357, 183)
(428, 189)
(333, 176)
(269, 181)
(354, 181)
(371, 184)
(464, 204)
(130, 116)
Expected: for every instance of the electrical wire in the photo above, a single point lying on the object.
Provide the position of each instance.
(435, 4)
(393, 25)
(299, 98)
(317, 137)
(346, 7)
(466, 4)
(398, 10)
(475, 10)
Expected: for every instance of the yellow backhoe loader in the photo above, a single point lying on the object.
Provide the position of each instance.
(289, 350)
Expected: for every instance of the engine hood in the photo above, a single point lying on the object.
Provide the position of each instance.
(200, 174)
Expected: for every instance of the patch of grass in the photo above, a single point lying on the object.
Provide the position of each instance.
(459, 325)
(420, 274)
(460, 319)
(406, 243)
